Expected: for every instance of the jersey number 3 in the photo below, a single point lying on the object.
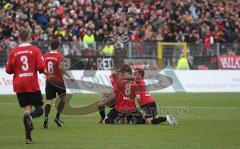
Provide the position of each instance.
(25, 65)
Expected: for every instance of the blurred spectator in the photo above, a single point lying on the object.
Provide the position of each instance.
(88, 40)
(182, 63)
(207, 43)
(108, 49)
(146, 20)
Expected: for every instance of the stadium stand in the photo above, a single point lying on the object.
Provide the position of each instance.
(209, 27)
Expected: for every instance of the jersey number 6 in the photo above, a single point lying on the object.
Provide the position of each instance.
(50, 67)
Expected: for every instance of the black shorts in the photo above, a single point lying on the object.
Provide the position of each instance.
(136, 117)
(113, 117)
(30, 98)
(150, 109)
(53, 88)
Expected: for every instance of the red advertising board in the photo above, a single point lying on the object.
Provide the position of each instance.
(229, 62)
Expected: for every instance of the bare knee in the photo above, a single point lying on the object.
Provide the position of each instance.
(149, 120)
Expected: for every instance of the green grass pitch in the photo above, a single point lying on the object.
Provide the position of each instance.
(211, 122)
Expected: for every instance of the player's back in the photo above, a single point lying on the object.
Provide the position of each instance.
(52, 61)
(145, 97)
(126, 94)
(24, 61)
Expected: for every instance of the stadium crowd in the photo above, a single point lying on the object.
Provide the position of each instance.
(191, 21)
(194, 21)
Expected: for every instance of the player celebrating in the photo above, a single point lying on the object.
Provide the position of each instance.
(125, 92)
(24, 62)
(148, 103)
(103, 101)
(55, 83)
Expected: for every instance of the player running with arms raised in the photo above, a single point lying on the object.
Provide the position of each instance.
(55, 83)
(24, 62)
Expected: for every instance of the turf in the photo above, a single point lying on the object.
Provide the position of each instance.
(204, 121)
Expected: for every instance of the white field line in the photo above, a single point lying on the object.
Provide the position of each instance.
(232, 108)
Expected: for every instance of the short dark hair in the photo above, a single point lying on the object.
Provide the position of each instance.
(55, 44)
(117, 69)
(126, 69)
(24, 35)
(141, 72)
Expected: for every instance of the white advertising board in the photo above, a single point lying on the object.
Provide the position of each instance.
(184, 81)
(209, 80)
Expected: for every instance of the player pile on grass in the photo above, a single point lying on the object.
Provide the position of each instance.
(126, 90)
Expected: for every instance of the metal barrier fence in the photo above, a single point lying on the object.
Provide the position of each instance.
(135, 50)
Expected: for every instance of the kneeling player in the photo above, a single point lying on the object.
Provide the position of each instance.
(108, 101)
(55, 83)
(105, 100)
(148, 103)
(125, 107)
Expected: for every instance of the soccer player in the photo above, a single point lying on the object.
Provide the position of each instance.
(125, 91)
(55, 83)
(148, 103)
(104, 101)
(24, 62)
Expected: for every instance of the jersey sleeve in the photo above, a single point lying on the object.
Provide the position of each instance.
(40, 62)
(9, 67)
(115, 88)
(117, 85)
(44, 56)
(60, 60)
(61, 57)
